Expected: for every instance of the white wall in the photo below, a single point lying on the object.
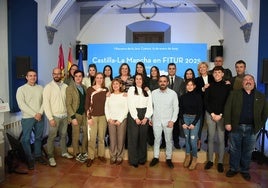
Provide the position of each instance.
(67, 31)
(4, 94)
(108, 27)
(235, 47)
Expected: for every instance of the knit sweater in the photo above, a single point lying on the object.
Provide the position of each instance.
(215, 97)
(191, 103)
(54, 100)
(30, 100)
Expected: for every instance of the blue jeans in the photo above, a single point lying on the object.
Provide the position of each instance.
(29, 125)
(242, 144)
(191, 135)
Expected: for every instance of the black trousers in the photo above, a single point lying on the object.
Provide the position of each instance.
(137, 139)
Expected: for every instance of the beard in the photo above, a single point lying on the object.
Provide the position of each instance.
(57, 79)
(163, 87)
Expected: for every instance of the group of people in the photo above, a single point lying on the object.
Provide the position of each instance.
(139, 110)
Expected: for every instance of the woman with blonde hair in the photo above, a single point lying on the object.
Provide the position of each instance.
(116, 110)
(202, 83)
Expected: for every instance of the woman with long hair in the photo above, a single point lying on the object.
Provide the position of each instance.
(89, 79)
(97, 124)
(140, 110)
(108, 76)
(190, 111)
(140, 69)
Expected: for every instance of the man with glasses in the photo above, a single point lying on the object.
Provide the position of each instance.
(218, 61)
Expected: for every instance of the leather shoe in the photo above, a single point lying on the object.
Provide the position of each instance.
(246, 176)
(31, 164)
(135, 165)
(177, 146)
(89, 162)
(208, 165)
(169, 163)
(154, 162)
(102, 159)
(220, 167)
(41, 160)
(230, 173)
(119, 162)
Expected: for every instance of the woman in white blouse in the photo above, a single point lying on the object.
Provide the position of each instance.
(140, 110)
(116, 111)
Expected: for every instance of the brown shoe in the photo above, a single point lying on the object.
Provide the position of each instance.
(187, 161)
(112, 161)
(193, 163)
(102, 159)
(89, 162)
(119, 162)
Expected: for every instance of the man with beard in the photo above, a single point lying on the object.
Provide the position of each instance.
(245, 113)
(55, 109)
(165, 114)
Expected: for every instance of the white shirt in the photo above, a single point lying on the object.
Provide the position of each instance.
(139, 101)
(165, 106)
(205, 79)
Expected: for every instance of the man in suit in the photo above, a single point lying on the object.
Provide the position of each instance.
(245, 113)
(176, 83)
(75, 102)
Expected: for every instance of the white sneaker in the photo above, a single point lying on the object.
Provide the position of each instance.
(80, 158)
(67, 155)
(52, 162)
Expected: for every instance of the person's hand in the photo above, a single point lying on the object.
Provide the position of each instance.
(227, 82)
(138, 121)
(52, 123)
(38, 117)
(117, 123)
(74, 122)
(110, 122)
(191, 126)
(150, 122)
(108, 94)
(228, 127)
(90, 122)
(144, 121)
(170, 124)
(184, 126)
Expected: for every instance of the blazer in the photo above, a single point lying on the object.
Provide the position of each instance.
(72, 100)
(200, 83)
(233, 108)
(179, 86)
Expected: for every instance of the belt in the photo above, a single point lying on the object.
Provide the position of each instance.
(246, 124)
(191, 115)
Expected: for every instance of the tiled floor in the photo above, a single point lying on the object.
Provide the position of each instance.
(72, 174)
